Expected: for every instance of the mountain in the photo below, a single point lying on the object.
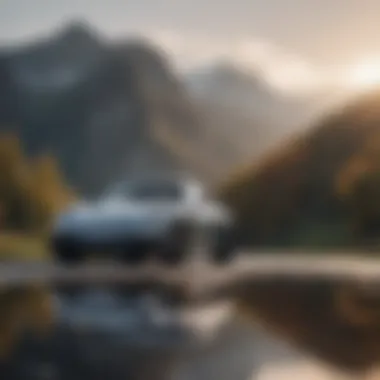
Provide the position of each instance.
(108, 108)
(241, 103)
(102, 108)
(226, 83)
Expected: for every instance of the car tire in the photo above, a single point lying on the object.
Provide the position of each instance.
(224, 248)
(172, 255)
(136, 253)
(68, 251)
(177, 243)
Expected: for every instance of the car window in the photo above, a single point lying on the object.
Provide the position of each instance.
(154, 190)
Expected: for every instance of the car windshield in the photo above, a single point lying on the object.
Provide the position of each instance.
(148, 190)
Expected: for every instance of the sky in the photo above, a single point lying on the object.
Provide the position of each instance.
(290, 38)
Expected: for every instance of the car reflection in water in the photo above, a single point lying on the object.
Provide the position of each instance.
(106, 333)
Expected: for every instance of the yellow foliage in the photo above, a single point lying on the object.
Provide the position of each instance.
(23, 246)
(32, 192)
(358, 183)
(22, 308)
(49, 194)
(355, 168)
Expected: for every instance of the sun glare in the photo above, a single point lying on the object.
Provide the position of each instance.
(365, 75)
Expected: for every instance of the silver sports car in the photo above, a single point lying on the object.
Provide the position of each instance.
(169, 215)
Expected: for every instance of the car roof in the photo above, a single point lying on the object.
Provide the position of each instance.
(171, 177)
(174, 177)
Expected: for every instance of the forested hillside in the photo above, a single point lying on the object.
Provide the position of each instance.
(318, 188)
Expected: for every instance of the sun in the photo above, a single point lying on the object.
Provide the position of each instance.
(364, 75)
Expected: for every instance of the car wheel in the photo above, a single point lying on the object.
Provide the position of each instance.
(68, 251)
(172, 255)
(177, 244)
(224, 245)
(136, 253)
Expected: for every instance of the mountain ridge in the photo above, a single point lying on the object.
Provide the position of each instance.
(88, 108)
(108, 108)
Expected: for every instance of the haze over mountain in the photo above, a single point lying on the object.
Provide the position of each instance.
(244, 107)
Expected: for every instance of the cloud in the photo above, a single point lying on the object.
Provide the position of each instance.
(280, 68)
